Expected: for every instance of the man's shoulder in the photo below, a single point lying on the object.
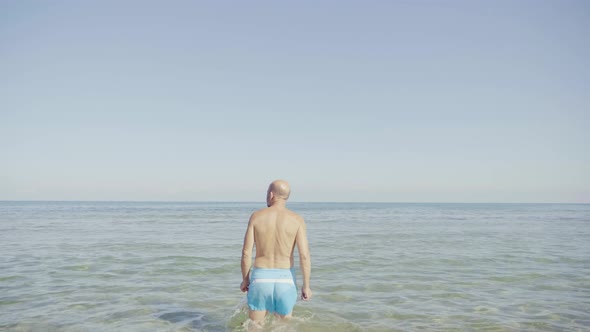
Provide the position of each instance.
(258, 213)
(265, 211)
(296, 214)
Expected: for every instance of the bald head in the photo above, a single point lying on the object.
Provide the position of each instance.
(280, 189)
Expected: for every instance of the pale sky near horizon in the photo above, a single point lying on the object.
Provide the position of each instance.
(402, 101)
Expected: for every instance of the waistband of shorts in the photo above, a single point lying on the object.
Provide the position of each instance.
(258, 272)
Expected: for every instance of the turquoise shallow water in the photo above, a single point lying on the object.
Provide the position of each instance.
(147, 266)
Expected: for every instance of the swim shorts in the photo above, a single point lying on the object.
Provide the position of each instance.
(272, 290)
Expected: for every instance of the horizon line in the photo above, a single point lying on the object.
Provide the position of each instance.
(303, 202)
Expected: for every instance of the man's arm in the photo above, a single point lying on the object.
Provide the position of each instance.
(247, 255)
(304, 260)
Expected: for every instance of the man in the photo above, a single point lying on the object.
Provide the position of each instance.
(275, 231)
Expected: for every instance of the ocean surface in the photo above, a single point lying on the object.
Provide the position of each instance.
(149, 266)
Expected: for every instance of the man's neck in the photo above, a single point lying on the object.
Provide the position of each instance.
(280, 203)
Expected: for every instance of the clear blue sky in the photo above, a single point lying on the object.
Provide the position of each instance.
(410, 101)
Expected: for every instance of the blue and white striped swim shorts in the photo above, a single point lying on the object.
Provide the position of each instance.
(273, 290)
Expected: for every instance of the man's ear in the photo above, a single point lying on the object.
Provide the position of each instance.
(271, 195)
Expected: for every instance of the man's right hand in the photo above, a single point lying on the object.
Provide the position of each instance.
(245, 285)
(306, 294)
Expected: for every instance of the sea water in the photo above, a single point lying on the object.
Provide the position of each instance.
(162, 266)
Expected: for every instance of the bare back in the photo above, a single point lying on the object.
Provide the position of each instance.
(275, 236)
